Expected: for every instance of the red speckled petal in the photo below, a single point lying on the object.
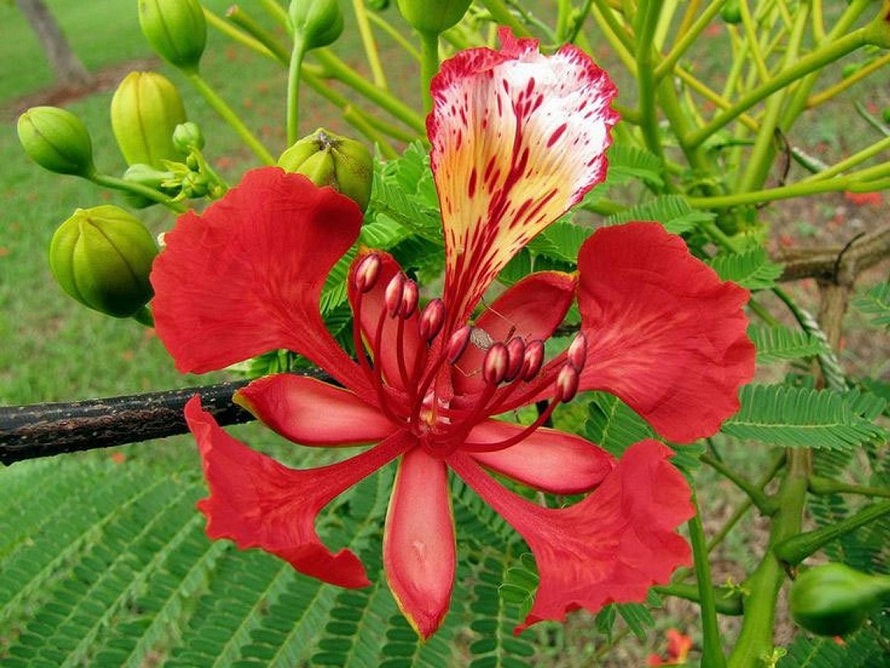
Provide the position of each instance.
(548, 460)
(245, 276)
(664, 333)
(418, 544)
(610, 547)
(310, 412)
(517, 139)
(257, 502)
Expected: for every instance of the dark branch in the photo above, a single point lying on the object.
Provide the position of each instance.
(42, 430)
(838, 264)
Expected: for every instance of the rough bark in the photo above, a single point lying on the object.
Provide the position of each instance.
(65, 65)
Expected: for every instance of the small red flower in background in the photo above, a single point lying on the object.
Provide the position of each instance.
(873, 199)
(678, 646)
(517, 139)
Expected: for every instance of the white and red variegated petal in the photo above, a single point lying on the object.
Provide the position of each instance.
(517, 139)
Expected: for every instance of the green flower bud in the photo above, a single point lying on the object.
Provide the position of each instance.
(145, 110)
(834, 599)
(188, 137)
(57, 140)
(433, 16)
(147, 175)
(731, 12)
(175, 29)
(102, 257)
(330, 160)
(317, 22)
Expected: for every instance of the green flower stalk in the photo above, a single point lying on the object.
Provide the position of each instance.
(102, 257)
(834, 599)
(145, 111)
(176, 30)
(331, 160)
(57, 140)
(314, 24)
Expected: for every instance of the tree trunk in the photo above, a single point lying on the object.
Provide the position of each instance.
(65, 64)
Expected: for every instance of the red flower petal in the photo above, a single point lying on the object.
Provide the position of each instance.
(548, 460)
(245, 276)
(664, 333)
(517, 139)
(531, 309)
(418, 545)
(373, 308)
(310, 412)
(610, 547)
(257, 502)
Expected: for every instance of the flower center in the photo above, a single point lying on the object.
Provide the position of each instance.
(417, 390)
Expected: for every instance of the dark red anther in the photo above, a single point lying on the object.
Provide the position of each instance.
(410, 297)
(516, 353)
(367, 272)
(533, 359)
(457, 343)
(392, 297)
(495, 364)
(566, 383)
(577, 352)
(431, 320)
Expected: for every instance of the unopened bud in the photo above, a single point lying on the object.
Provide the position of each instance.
(102, 257)
(457, 343)
(367, 272)
(516, 352)
(431, 320)
(57, 140)
(317, 23)
(410, 296)
(533, 360)
(188, 137)
(145, 110)
(433, 16)
(146, 175)
(567, 383)
(577, 352)
(176, 30)
(495, 364)
(330, 160)
(392, 296)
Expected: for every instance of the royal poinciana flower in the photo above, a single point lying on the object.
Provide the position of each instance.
(517, 139)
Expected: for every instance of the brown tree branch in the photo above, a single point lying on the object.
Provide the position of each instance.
(837, 264)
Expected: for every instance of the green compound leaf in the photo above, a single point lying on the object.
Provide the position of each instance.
(628, 163)
(779, 344)
(801, 417)
(876, 303)
(752, 270)
(672, 211)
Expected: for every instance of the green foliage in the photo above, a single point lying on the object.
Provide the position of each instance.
(876, 303)
(778, 344)
(672, 211)
(752, 269)
(802, 417)
(631, 163)
(866, 648)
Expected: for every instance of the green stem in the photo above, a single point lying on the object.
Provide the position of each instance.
(755, 640)
(252, 27)
(395, 35)
(820, 485)
(758, 498)
(429, 65)
(229, 116)
(809, 63)
(360, 122)
(503, 16)
(138, 189)
(712, 654)
(339, 70)
(364, 29)
(239, 36)
(645, 77)
(801, 189)
(852, 161)
(726, 601)
(293, 89)
(795, 549)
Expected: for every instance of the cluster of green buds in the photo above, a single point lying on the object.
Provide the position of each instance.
(330, 160)
(102, 257)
